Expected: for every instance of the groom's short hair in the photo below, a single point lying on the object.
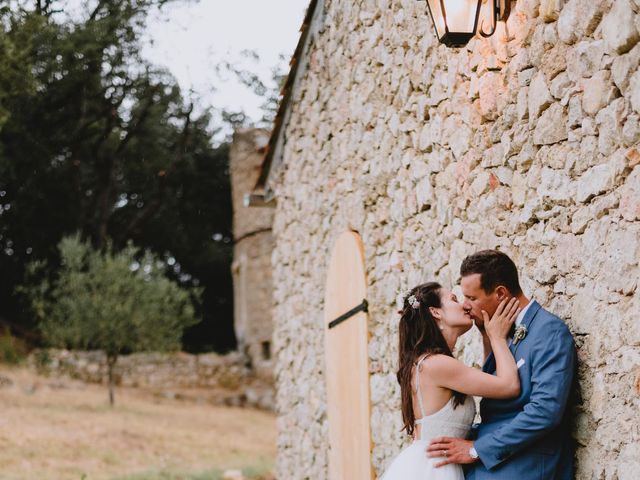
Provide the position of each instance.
(495, 268)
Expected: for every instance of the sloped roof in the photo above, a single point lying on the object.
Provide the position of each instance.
(286, 94)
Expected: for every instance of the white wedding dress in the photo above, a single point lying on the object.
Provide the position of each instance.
(412, 463)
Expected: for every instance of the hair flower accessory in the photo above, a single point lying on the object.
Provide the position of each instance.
(519, 334)
(413, 301)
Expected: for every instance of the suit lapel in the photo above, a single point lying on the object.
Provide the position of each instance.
(526, 321)
(490, 364)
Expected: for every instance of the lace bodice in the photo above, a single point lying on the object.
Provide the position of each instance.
(448, 421)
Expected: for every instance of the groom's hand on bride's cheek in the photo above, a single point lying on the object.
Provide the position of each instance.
(451, 450)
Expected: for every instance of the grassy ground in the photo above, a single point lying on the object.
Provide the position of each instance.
(65, 430)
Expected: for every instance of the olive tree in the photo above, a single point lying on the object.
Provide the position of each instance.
(118, 302)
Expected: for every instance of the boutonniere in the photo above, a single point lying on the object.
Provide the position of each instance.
(520, 333)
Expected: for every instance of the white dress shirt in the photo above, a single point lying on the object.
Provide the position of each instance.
(523, 312)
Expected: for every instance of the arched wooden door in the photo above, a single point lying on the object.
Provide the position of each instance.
(347, 364)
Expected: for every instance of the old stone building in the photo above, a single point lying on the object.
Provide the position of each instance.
(526, 141)
(253, 245)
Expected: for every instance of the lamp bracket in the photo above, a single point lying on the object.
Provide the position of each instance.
(501, 10)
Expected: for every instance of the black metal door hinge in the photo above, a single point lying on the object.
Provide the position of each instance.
(363, 307)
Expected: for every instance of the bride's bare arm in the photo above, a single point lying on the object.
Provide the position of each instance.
(450, 373)
(486, 345)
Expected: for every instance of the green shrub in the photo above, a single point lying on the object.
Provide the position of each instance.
(12, 350)
(42, 360)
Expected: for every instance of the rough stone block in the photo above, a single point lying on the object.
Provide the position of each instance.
(554, 61)
(539, 96)
(575, 112)
(630, 197)
(598, 92)
(618, 28)
(232, 475)
(599, 179)
(579, 18)
(561, 86)
(522, 103)
(550, 10)
(424, 193)
(490, 87)
(586, 59)
(634, 87)
(555, 186)
(551, 127)
(633, 156)
(525, 76)
(631, 130)
(623, 66)
(610, 121)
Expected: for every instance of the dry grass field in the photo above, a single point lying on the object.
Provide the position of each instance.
(65, 430)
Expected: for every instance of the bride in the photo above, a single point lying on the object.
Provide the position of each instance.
(436, 385)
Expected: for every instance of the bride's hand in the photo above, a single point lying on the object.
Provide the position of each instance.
(501, 321)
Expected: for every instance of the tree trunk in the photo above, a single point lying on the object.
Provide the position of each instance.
(111, 363)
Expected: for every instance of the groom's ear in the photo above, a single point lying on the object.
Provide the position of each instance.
(502, 292)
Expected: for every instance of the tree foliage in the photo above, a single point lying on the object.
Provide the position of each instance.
(94, 139)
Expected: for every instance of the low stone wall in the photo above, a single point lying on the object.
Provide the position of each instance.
(227, 377)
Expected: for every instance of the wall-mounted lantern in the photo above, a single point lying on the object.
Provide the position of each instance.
(456, 21)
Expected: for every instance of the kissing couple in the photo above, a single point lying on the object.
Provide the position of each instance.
(525, 382)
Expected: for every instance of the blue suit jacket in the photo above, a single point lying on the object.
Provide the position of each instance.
(528, 437)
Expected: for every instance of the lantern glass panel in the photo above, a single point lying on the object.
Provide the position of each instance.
(437, 15)
(461, 15)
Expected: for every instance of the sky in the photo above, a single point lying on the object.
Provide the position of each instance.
(190, 38)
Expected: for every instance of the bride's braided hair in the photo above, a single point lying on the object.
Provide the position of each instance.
(419, 334)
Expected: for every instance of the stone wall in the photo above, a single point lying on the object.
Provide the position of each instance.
(253, 299)
(223, 379)
(253, 245)
(526, 142)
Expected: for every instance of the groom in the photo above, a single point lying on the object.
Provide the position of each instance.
(527, 437)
